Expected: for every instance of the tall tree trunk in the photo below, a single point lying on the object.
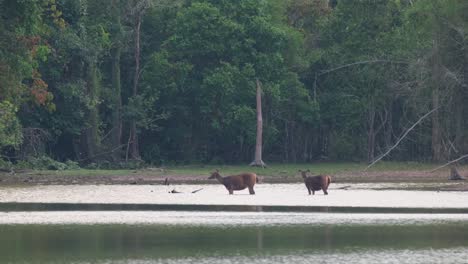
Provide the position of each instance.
(134, 150)
(436, 83)
(371, 132)
(462, 111)
(436, 133)
(305, 145)
(388, 129)
(92, 132)
(459, 123)
(116, 133)
(293, 143)
(258, 146)
(286, 141)
(464, 144)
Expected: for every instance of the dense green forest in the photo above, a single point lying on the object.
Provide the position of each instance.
(164, 82)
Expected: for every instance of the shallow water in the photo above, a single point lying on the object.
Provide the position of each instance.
(308, 243)
(266, 194)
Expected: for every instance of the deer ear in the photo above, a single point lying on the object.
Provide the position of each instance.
(299, 170)
(217, 170)
(308, 170)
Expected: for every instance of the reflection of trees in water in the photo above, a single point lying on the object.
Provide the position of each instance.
(259, 239)
(259, 232)
(328, 235)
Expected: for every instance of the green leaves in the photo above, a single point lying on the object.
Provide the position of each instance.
(204, 35)
(333, 74)
(10, 127)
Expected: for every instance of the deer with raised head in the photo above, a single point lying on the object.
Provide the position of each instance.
(236, 182)
(315, 183)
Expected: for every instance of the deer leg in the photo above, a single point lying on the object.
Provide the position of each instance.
(308, 189)
(325, 191)
(251, 190)
(313, 192)
(325, 185)
(230, 189)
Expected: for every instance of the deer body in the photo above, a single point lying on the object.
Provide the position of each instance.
(316, 183)
(236, 182)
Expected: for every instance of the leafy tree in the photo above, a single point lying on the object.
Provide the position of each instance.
(175, 81)
(10, 128)
(360, 38)
(22, 49)
(436, 32)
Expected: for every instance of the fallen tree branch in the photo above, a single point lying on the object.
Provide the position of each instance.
(175, 191)
(450, 162)
(197, 190)
(402, 137)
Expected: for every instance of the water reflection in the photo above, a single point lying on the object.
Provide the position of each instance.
(235, 244)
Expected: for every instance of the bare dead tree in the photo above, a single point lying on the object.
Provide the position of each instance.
(258, 146)
(137, 11)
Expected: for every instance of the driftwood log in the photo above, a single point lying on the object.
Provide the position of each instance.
(195, 191)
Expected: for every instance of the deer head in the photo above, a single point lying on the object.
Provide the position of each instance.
(214, 175)
(304, 173)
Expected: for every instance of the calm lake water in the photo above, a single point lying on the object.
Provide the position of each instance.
(280, 224)
(382, 238)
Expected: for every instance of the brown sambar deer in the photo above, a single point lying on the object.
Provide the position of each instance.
(315, 183)
(237, 182)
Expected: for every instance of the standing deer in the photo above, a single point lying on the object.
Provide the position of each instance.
(315, 183)
(237, 182)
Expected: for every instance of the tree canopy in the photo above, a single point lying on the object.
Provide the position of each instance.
(111, 81)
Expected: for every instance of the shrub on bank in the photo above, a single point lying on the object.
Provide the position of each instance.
(40, 163)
